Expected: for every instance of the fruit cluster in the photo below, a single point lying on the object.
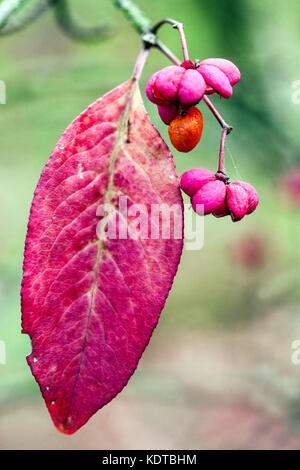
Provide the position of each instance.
(213, 194)
(177, 89)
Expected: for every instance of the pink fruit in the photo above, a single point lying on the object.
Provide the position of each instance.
(167, 82)
(192, 180)
(221, 210)
(150, 91)
(192, 87)
(167, 113)
(253, 198)
(237, 201)
(215, 78)
(175, 83)
(209, 197)
(228, 68)
(188, 82)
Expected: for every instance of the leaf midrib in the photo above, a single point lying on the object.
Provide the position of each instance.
(120, 132)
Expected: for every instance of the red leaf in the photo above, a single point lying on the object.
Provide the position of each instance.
(90, 305)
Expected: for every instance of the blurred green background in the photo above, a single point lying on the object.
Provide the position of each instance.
(218, 371)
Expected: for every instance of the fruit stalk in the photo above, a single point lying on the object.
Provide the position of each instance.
(179, 26)
(217, 115)
(222, 147)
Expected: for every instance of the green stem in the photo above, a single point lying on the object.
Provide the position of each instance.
(136, 17)
(7, 7)
(72, 28)
(17, 14)
(14, 21)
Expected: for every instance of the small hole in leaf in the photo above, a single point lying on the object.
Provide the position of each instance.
(53, 402)
(47, 388)
(35, 359)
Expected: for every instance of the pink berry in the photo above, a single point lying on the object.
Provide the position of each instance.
(175, 83)
(253, 198)
(167, 113)
(237, 201)
(167, 82)
(192, 180)
(150, 91)
(231, 71)
(215, 78)
(187, 83)
(209, 197)
(221, 210)
(192, 87)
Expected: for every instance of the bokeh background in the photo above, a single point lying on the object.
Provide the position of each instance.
(218, 372)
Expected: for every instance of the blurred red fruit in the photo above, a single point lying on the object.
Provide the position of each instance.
(290, 183)
(251, 251)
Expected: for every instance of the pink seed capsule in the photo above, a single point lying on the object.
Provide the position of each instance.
(221, 210)
(192, 87)
(167, 83)
(167, 113)
(209, 90)
(175, 83)
(209, 197)
(237, 201)
(150, 91)
(253, 198)
(192, 180)
(187, 64)
(215, 78)
(229, 68)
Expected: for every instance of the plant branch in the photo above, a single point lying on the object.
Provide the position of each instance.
(222, 148)
(183, 41)
(71, 28)
(19, 21)
(160, 23)
(140, 62)
(217, 115)
(7, 7)
(136, 17)
(16, 15)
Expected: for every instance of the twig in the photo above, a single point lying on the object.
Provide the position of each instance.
(14, 17)
(217, 115)
(136, 17)
(18, 22)
(7, 7)
(222, 148)
(71, 28)
(183, 41)
(140, 62)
